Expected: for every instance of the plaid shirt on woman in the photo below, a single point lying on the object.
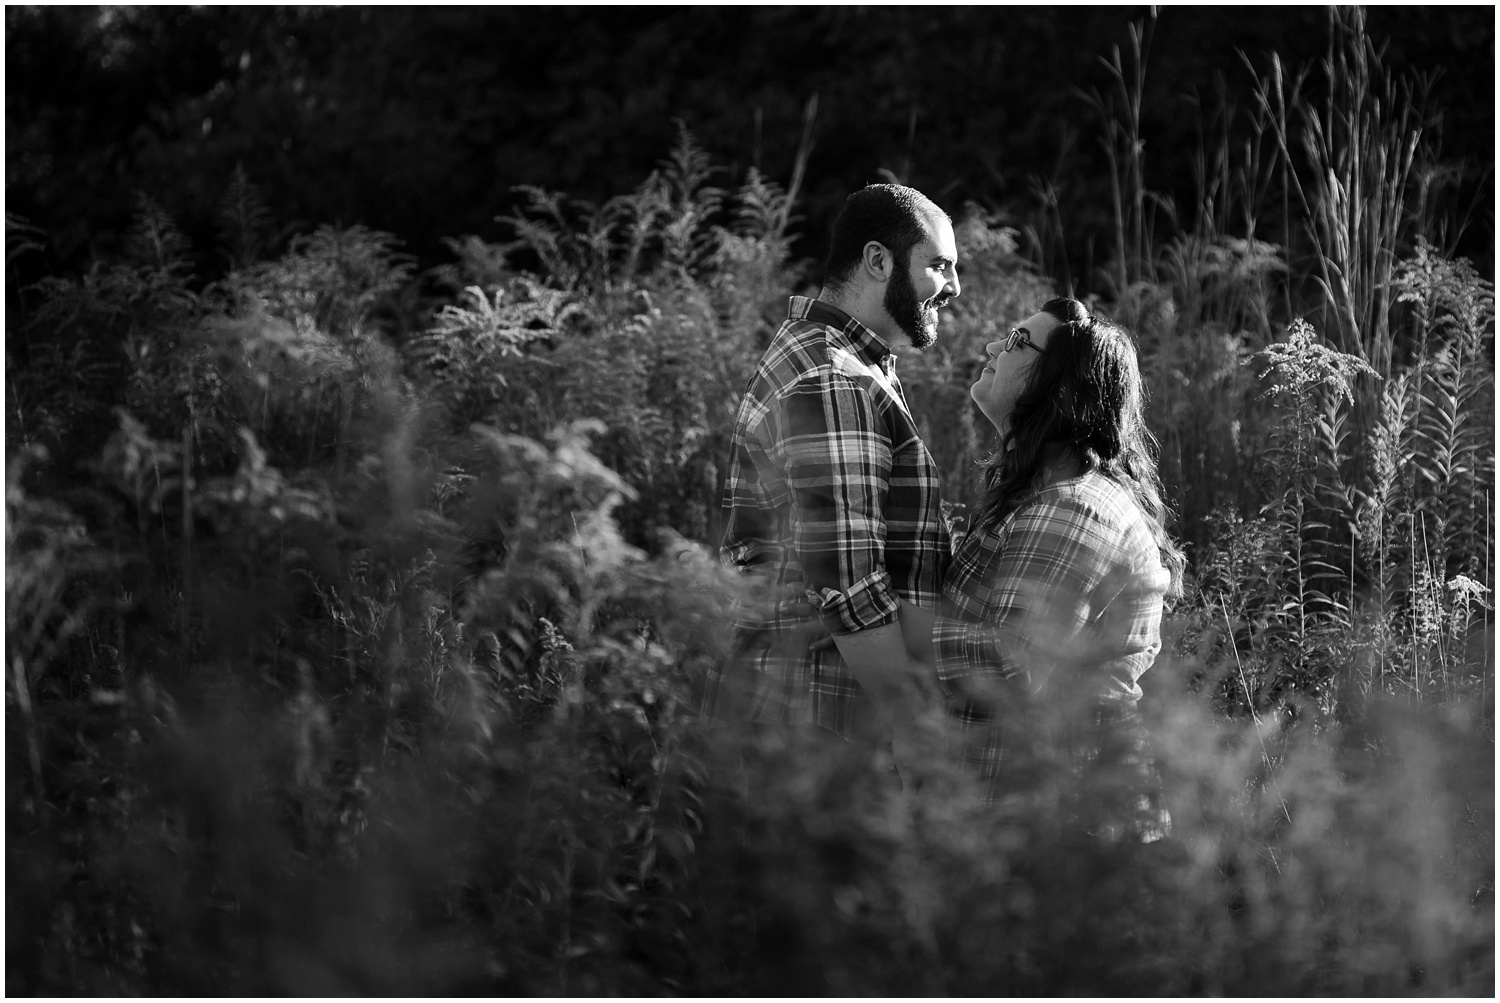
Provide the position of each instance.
(1062, 601)
(832, 502)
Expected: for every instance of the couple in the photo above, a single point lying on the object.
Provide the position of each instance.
(1054, 593)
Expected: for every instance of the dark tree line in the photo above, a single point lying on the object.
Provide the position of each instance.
(421, 121)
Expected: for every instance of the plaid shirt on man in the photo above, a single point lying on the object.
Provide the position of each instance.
(832, 500)
(1060, 602)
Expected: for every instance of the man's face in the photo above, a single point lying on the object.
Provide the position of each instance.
(924, 283)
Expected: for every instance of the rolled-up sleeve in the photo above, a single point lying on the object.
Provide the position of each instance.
(837, 460)
(974, 660)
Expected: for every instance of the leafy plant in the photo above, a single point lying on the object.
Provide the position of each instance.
(362, 655)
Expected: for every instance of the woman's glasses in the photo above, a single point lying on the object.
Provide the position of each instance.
(1019, 336)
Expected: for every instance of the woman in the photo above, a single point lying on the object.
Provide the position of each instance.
(1052, 606)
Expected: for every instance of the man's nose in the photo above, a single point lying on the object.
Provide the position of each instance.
(953, 283)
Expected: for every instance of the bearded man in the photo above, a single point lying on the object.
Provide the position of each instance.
(831, 497)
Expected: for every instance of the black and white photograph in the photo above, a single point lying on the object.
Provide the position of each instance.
(770, 501)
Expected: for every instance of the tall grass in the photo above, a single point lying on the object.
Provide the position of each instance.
(1362, 149)
(355, 617)
(1328, 507)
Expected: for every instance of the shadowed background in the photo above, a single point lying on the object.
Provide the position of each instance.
(419, 121)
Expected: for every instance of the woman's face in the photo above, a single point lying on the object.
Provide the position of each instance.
(1005, 373)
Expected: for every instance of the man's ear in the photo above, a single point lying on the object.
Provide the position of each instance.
(878, 261)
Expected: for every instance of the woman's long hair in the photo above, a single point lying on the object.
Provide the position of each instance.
(1086, 394)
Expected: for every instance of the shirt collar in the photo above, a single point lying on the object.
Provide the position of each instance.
(866, 343)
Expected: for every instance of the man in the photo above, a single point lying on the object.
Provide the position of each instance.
(831, 496)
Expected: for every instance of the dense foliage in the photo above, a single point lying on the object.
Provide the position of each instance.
(355, 611)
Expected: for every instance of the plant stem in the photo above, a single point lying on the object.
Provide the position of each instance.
(33, 746)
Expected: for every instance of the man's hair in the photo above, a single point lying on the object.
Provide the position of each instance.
(1084, 394)
(891, 214)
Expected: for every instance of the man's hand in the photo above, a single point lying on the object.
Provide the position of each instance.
(910, 752)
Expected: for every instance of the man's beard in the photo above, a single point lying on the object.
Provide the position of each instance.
(917, 319)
